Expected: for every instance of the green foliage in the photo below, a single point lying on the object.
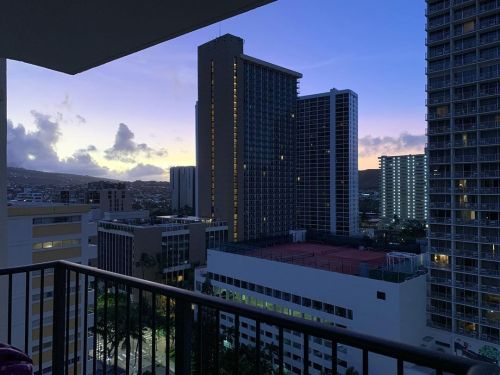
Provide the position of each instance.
(111, 318)
(490, 352)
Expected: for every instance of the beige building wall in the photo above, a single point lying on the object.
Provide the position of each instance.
(30, 242)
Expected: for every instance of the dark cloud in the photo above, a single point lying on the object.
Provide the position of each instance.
(36, 150)
(146, 171)
(404, 143)
(82, 163)
(125, 149)
(33, 149)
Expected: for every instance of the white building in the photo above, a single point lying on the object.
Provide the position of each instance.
(42, 232)
(359, 290)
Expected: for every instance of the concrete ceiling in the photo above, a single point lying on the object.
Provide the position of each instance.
(72, 36)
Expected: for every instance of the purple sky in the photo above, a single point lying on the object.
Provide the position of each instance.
(134, 118)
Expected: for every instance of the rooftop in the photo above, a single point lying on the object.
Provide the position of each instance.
(347, 260)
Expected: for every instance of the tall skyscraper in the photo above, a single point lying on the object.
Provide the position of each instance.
(403, 187)
(245, 140)
(327, 162)
(182, 183)
(463, 99)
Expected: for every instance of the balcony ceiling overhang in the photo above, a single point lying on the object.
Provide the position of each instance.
(72, 36)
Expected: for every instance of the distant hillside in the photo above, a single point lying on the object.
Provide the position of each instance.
(369, 179)
(23, 177)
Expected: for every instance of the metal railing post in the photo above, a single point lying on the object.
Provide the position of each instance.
(58, 343)
(183, 328)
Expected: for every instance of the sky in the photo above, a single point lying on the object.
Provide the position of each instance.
(134, 118)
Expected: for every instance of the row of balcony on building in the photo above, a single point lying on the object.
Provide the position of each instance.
(444, 173)
(459, 14)
(469, 142)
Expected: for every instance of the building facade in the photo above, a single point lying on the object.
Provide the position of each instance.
(403, 188)
(463, 127)
(352, 289)
(183, 186)
(163, 250)
(43, 232)
(327, 162)
(245, 140)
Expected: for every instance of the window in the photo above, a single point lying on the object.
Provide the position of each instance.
(381, 295)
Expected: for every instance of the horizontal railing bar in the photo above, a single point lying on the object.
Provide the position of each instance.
(376, 345)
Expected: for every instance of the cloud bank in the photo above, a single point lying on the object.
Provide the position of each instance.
(405, 143)
(37, 150)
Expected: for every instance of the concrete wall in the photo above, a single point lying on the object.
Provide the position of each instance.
(3, 162)
(400, 317)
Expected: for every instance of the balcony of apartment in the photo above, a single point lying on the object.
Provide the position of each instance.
(437, 66)
(438, 99)
(145, 326)
(468, 285)
(489, 39)
(448, 297)
(465, 158)
(490, 288)
(461, 143)
(437, 37)
(435, 324)
(437, 22)
(436, 8)
(466, 253)
(438, 130)
(440, 280)
(440, 190)
(440, 250)
(440, 220)
(464, 14)
(470, 300)
(440, 265)
(437, 85)
(490, 255)
(489, 141)
(490, 158)
(439, 160)
(487, 7)
(465, 269)
(438, 145)
(443, 311)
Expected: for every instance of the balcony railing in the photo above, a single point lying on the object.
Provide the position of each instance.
(125, 304)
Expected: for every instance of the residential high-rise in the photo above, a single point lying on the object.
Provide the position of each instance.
(463, 115)
(403, 187)
(327, 162)
(182, 183)
(43, 232)
(245, 140)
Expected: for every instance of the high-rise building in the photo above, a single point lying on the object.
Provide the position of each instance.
(43, 232)
(463, 118)
(327, 162)
(403, 187)
(162, 250)
(182, 183)
(245, 140)
(347, 288)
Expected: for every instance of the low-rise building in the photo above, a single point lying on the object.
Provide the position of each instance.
(375, 293)
(164, 249)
